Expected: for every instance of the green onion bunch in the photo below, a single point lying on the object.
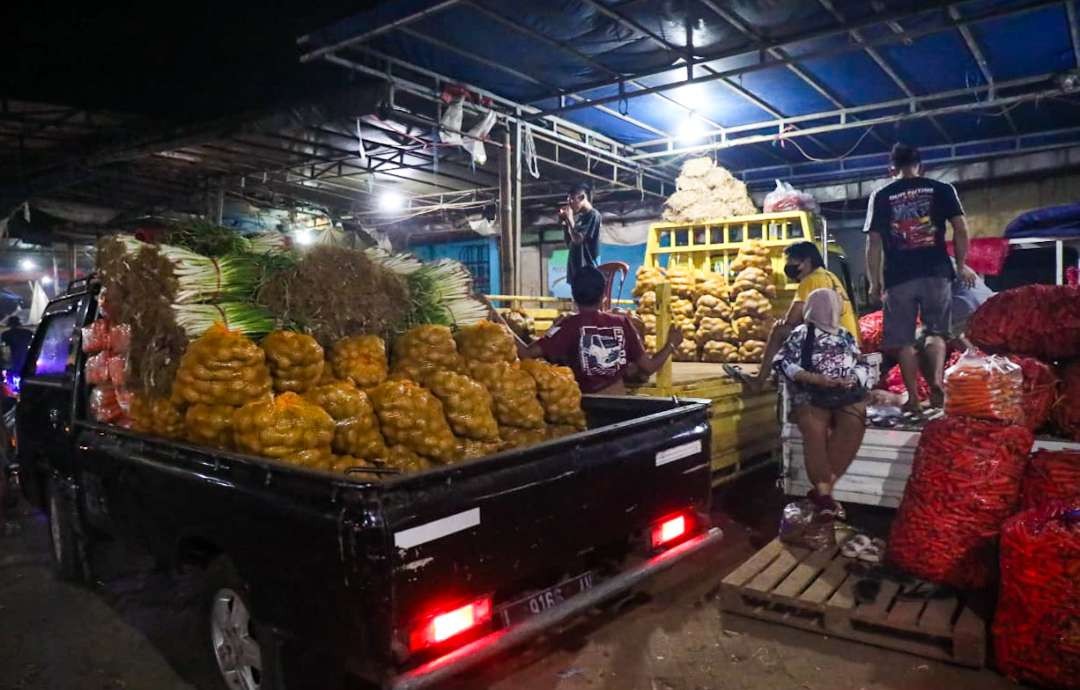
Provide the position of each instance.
(248, 319)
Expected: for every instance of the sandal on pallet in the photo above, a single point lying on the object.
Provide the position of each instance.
(863, 548)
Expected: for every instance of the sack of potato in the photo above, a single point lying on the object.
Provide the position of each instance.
(296, 360)
(156, 416)
(288, 427)
(411, 416)
(751, 279)
(356, 428)
(752, 303)
(558, 391)
(514, 437)
(682, 307)
(751, 328)
(361, 360)
(687, 325)
(210, 425)
(751, 351)
(649, 342)
(714, 329)
(686, 351)
(467, 404)
(513, 393)
(752, 254)
(405, 460)
(523, 325)
(647, 303)
(683, 281)
(713, 284)
(485, 341)
(719, 352)
(222, 367)
(422, 350)
(647, 279)
(711, 306)
(649, 321)
(471, 449)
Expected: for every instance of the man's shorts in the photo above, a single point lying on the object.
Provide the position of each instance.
(930, 298)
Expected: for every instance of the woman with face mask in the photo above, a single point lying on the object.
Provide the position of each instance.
(803, 265)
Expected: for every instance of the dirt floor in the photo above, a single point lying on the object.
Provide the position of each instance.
(135, 630)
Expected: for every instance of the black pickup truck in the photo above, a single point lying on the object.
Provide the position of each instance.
(400, 582)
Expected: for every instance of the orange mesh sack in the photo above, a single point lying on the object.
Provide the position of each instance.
(485, 341)
(558, 391)
(356, 430)
(405, 460)
(288, 428)
(210, 425)
(467, 404)
(156, 416)
(514, 437)
(412, 416)
(360, 359)
(422, 350)
(985, 387)
(471, 449)
(222, 367)
(296, 360)
(513, 393)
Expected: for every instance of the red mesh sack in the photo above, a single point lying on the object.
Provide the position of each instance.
(894, 383)
(1036, 630)
(1067, 411)
(118, 370)
(97, 369)
(1040, 390)
(95, 337)
(119, 338)
(1051, 475)
(964, 483)
(1036, 320)
(870, 330)
(104, 407)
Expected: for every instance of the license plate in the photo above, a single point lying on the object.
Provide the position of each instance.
(529, 606)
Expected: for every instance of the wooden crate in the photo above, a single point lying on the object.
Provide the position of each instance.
(813, 590)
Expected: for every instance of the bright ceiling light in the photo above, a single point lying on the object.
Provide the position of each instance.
(691, 130)
(693, 97)
(27, 264)
(46, 280)
(391, 202)
(303, 237)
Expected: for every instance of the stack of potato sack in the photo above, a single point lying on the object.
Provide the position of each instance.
(684, 288)
(752, 292)
(107, 344)
(645, 292)
(712, 313)
(706, 191)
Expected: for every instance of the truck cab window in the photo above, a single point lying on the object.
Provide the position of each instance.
(56, 354)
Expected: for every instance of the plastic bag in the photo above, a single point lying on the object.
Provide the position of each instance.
(1051, 475)
(1036, 629)
(787, 198)
(95, 337)
(97, 369)
(119, 338)
(118, 370)
(985, 387)
(474, 141)
(104, 406)
(797, 527)
(450, 122)
(964, 483)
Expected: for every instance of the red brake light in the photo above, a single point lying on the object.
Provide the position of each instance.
(668, 530)
(443, 626)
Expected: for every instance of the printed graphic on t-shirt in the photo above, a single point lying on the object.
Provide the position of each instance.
(603, 350)
(912, 227)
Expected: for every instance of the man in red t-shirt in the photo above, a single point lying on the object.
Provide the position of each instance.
(598, 346)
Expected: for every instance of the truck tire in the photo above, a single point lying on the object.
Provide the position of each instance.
(244, 655)
(67, 547)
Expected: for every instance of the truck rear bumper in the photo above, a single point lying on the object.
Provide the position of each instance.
(486, 647)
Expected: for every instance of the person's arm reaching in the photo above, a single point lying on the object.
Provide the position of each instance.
(651, 364)
(964, 274)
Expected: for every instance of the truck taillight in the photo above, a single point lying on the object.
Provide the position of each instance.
(447, 624)
(669, 529)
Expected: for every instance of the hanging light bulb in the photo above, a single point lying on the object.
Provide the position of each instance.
(691, 130)
(391, 202)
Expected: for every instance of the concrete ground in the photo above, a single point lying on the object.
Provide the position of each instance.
(136, 631)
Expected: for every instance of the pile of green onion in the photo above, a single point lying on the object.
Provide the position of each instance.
(205, 279)
(248, 319)
(441, 293)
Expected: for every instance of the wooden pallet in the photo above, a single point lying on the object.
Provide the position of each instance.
(813, 590)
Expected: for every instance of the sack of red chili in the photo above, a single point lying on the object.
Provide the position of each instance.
(1036, 629)
(1067, 411)
(964, 482)
(1040, 390)
(1051, 475)
(1037, 320)
(870, 330)
(894, 383)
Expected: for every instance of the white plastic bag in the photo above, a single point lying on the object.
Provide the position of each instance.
(786, 198)
(474, 140)
(450, 122)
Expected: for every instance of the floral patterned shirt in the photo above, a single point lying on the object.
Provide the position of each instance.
(835, 355)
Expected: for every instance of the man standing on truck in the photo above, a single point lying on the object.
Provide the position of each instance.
(581, 231)
(804, 265)
(598, 346)
(905, 221)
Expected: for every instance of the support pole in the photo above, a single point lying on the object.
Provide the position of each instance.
(519, 231)
(663, 323)
(506, 221)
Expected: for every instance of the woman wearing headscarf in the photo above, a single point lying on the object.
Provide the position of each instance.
(827, 385)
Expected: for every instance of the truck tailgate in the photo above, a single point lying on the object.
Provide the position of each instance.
(526, 519)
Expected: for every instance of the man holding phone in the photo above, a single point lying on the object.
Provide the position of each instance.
(581, 230)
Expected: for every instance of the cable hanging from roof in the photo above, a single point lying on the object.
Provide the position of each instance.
(841, 157)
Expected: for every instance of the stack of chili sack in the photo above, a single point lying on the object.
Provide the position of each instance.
(106, 370)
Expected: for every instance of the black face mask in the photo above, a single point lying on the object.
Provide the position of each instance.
(792, 271)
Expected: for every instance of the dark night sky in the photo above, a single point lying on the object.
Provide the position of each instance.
(176, 61)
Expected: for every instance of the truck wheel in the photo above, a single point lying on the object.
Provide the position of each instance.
(68, 553)
(245, 656)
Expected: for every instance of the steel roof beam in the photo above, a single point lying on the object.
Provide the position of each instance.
(368, 35)
(880, 61)
(980, 59)
(764, 64)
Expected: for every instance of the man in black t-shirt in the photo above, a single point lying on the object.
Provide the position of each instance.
(905, 221)
(581, 230)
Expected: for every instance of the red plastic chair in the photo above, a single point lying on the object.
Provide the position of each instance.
(609, 271)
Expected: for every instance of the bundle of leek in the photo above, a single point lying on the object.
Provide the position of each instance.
(402, 264)
(248, 319)
(270, 242)
(440, 293)
(204, 279)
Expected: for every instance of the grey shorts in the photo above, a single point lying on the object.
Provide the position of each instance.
(929, 298)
